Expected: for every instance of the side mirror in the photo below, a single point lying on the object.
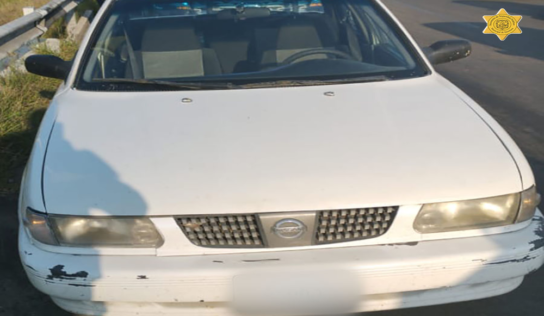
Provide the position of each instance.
(48, 66)
(448, 51)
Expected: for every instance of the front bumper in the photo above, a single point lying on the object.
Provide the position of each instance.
(392, 276)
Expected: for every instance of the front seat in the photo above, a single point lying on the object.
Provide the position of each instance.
(170, 48)
(297, 36)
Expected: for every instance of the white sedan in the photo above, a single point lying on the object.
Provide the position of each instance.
(273, 157)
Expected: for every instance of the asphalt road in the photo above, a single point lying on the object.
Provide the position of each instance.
(506, 78)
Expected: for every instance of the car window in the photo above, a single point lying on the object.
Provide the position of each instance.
(243, 42)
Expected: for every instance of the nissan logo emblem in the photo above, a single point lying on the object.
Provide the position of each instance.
(289, 228)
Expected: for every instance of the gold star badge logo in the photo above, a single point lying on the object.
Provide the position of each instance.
(502, 24)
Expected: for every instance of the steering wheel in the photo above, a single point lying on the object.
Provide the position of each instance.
(316, 51)
(105, 51)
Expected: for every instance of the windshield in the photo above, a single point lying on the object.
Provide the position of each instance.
(235, 42)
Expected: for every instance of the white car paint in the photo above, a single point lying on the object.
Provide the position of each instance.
(432, 272)
(293, 150)
(422, 139)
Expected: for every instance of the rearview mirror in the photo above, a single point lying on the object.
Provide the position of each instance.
(448, 51)
(48, 66)
(245, 13)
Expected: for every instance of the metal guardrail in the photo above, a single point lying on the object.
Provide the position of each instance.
(17, 27)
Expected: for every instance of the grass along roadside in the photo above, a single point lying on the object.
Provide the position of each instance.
(24, 98)
(13, 9)
(58, 28)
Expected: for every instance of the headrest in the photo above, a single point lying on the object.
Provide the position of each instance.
(171, 34)
(299, 34)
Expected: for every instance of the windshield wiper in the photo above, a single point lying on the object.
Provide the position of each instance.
(172, 85)
(294, 83)
(169, 84)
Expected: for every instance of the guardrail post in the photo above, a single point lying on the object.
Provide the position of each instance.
(71, 23)
(82, 26)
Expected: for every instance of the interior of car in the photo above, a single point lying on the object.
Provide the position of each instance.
(150, 42)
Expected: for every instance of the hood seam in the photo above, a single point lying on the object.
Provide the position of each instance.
(499, 138)
(43, 165)
(457, 94)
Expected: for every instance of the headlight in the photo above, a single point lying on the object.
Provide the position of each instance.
(477, 214)
(529, 201)
(38, 226)
(74, 231)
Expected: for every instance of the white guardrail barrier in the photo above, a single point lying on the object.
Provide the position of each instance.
(16, 36)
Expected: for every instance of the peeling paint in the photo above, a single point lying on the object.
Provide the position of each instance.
(260, 260)
(415, 243)
(82, 285)
(57, 272)
(539, 231)
(142, 277)
(524, 259)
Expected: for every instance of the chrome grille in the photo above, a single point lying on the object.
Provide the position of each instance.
(246, 230)
(353, 224)
(222, 231)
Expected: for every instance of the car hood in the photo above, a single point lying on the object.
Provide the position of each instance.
(270, 150)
